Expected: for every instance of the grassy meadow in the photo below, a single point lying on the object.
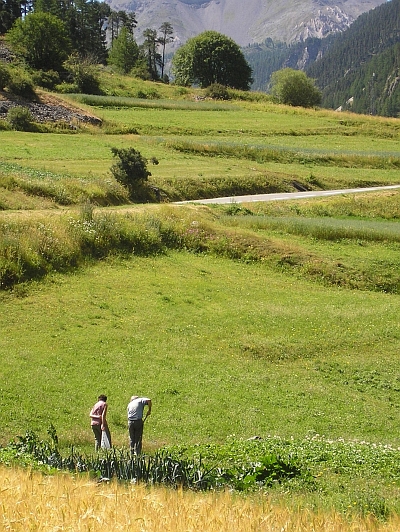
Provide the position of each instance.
(277, 321)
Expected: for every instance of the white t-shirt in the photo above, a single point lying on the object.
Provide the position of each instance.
(136, 407)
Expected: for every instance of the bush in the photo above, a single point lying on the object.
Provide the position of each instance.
(20, 83)
(47, 79)
(66, 88)
(83, 74)
(131, 171)
(294, 87)
(140, 70)
(216, 91)
(4, 76)
(20, 118)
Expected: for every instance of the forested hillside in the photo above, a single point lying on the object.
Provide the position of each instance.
(361, 68)
(358, 69)
(269, 56)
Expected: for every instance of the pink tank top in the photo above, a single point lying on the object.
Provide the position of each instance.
(97, 410)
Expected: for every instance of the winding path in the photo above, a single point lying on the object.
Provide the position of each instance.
(287, 195)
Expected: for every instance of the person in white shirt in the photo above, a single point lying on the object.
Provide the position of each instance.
(136, 421)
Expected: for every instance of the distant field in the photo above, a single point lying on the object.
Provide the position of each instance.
(228, 148)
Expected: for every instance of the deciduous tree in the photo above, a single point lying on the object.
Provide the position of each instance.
(211, 58)
(294, 87)
(41, 39)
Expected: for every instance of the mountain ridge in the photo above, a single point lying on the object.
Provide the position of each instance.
(247, 22)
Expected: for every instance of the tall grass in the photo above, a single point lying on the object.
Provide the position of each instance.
(32, 247)
(262, 154)
(62, 189)
(382, 206)
(31, 501)
(127, 102)
(323, 228)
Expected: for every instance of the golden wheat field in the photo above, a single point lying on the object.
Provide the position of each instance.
(30, 501)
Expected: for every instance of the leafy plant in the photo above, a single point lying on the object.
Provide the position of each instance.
(216, 91)
(131, 171)
(20, 118)
(83, 73)
(46, 78)
(4, 76)
(20, 83)
(294, 87)
(41, 39)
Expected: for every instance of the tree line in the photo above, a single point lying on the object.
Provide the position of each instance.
(61, 40)
(46, 32)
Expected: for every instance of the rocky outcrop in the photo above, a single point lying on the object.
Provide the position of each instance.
(5, 54)
(325, 22)
(43, 112)
(51, 110)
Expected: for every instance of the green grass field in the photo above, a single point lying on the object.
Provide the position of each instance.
(276, 319)
(222, 348)
(204, 148)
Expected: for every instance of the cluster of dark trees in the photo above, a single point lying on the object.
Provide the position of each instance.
(361, 68)
(56, 35)
(45, 32)
(358, 69)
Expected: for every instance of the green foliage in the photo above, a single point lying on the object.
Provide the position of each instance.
(131, 171)
(361, 64)
(211, 58)
(83, 74)
(20, 82)
(293, 87)
(166, 37)
(10, 11)
(124, 52)
(159, 468)
(216, 91)
(41, 39)
(20, 118)
(150, 53)
(4, 76)
(47, 79)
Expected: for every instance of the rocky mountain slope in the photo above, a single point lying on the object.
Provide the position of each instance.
(247, 21)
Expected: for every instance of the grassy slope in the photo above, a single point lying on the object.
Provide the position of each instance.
(223, 347)
(252, 146)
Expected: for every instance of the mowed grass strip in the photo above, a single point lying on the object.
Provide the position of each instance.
(221, 347)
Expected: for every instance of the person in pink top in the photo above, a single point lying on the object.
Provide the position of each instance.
(98, 421)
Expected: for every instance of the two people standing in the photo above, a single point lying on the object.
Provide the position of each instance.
(136, 421)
